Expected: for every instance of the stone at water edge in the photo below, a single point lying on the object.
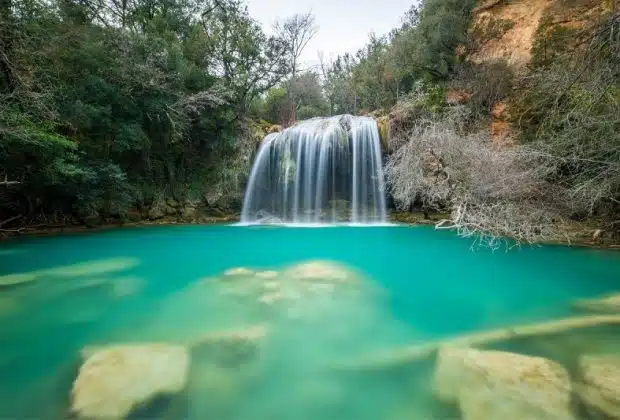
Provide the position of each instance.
(600, 390)
(115, 380)
(157, 210)
(504, 386)
(189, 213)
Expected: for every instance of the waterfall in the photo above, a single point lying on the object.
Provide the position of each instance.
(322, 170)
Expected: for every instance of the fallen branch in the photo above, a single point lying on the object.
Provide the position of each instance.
(10, 219)
(7, 182)
(397, 357)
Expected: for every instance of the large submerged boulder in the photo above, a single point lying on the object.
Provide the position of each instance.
(115, 380)
(232, 347)
(600, 389)
(504, 386)
(320, 271)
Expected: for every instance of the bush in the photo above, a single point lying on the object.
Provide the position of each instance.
(488, 83)
(492, 193)
(568, 110)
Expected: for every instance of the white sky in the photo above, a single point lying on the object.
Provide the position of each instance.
(344, 25)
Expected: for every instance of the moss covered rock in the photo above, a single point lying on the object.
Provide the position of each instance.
(383, 124)
(157, 210)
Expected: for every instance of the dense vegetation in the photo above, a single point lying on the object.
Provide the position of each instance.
(109, 109)
(421, 50)
(564, 109)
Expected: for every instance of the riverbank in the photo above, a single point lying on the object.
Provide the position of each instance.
(578, 234)
(587, 234)
(113, 224)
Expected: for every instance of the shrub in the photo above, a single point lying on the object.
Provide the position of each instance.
(493, 193)
(488, 83)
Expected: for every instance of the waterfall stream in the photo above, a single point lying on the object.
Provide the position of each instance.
(323, 170)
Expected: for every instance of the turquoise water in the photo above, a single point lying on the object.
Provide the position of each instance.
(419, 285)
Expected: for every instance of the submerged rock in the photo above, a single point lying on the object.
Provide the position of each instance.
(87, 268)
(127, 286)
(9, 305)
(239, 271)
(115, 380)
(231, 347)
(323, 271)
(605, 304)
(272, 297)
(15, 279)
(499, 385)
(219, 389)
(600, 389)
(271, 285)
(267, 274)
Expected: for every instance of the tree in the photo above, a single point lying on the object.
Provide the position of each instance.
(249, 62)
(110, 106)
(426, 45)
(338, 85)
(373, 78)
(310, 101)
(296, 32)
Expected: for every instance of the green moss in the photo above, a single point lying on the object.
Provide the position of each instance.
(383, 124)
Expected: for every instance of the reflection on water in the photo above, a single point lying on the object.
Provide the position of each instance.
(129, 334)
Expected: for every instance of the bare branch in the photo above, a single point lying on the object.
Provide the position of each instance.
(7, 183)
(9, 220)
(493, 193)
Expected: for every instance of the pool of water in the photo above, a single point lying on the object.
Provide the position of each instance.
(59, 294)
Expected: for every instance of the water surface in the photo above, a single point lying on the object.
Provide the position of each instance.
(140, 285)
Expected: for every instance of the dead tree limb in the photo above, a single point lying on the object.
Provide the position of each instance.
(6, 182)
(10, 219)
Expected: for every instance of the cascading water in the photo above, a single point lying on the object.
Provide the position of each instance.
(318, 171)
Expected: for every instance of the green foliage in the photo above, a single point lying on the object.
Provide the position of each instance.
(339, 86)
(430, 98)
(104, 109)
(551, 42)
(270, 107)
(568, 108)
(307, 92)
(421, 50)
(428, 49)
